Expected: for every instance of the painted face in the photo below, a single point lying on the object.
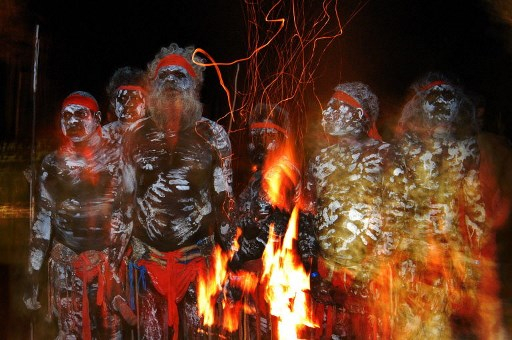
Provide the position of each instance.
(130, 105)
(341, 119)
(262, 142)
(174, 77)
(78, 123)
(440, 104)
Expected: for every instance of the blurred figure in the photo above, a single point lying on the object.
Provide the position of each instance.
(176, 194)
(269, 129)
(355, 186)
(127, 93)
(74, 219)
(260, 206)
(437, 259)
(496, 182)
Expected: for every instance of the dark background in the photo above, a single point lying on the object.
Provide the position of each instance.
(385, 43)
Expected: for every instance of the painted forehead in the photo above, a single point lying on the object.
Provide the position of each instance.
(75, 108)
(441, 87)
(129, 93)
(172, 68)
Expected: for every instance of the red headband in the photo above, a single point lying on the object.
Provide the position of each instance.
(431, 85)
(78, 99)
(346, 98)
(268, 125)
(175, 59)
(132, 88)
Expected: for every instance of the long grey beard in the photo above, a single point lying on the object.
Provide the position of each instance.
(174, 110)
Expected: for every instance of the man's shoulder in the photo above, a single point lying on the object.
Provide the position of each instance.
(209, 126)
(213, 133)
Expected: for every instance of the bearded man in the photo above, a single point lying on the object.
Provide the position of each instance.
(437, 256)
(177, 193)
(74, 218)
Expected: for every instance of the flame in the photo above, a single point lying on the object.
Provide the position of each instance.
(281, 177)
(247, 282)
(208, 286)
(287, 283)
(212, 283)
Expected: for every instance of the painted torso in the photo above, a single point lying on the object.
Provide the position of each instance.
(177, 177)
(443, 191)
(78, 190)
(348, 187)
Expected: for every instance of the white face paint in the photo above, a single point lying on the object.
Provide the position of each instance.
(174, 77)
(341, 119)
(440, 104)
(130, 105)
(78, 123)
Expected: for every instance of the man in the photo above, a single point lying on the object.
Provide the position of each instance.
(269, 130)
(261, 206)
(127, 93)
(351, 183)
(74, 218)
(177, 192)
(437, 256)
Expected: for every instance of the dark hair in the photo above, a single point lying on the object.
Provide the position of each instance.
(126, 76)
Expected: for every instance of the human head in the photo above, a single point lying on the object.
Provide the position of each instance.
(351, 111)
(127, 93)
(175, 84)
(269, 127)
(80, 116)
(438, 104)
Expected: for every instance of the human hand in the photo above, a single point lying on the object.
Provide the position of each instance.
(30, 297)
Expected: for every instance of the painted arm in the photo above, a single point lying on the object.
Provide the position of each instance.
(39, 241)
(123, 207)
(223, 200)
(474, 211)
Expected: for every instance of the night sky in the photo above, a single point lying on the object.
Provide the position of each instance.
(386, 44)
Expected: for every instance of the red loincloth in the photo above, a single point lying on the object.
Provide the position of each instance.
(172, 280)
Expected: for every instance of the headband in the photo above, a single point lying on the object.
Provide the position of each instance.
(132, 88)
(346, 98)
(431, 85)
(78, 99)
(175, 59)
(268, 125)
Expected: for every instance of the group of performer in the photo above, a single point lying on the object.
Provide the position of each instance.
(391, 233)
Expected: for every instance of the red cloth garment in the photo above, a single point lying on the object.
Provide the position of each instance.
(172, 280)
(374, 133)
(175, 59)
(348, 99)
(78, 99)
(88, 266)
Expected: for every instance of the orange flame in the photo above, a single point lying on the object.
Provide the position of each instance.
(281, 177)
(214, 281)
(209, 285)
(287, 283)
